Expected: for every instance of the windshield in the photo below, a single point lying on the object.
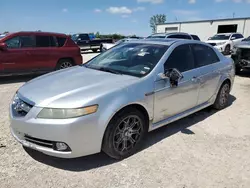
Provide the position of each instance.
(129, 58)
(247, 39)
(220, 37)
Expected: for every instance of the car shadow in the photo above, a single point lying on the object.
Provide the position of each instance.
(101, 159)
(244, 73)
(17, 79)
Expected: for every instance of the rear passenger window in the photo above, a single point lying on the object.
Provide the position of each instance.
(61, 41)
(27, 41)
(42, 41)
(52, 42)
(204, 55)
(181, 58)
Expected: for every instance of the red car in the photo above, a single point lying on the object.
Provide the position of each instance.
(30, 52)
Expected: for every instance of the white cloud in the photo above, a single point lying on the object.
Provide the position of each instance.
(151, 1)
(125, 16)
(184, 12)
(119, 10)
(139, 9)
(219, 1)
(97, 10)
(65, 10)
(191, 1)
(134, 21)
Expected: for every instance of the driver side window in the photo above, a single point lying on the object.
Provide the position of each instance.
(13, 43)
(181, 58)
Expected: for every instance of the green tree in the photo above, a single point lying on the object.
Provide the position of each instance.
(157, 19)
(97, 35)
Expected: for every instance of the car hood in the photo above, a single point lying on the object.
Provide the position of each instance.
(216, 41)
(73, 87)
(108, 45)
(243, 44)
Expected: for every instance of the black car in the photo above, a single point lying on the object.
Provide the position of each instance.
(84, 41)
(241, 55)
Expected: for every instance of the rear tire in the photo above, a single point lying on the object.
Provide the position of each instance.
(94, 50)
(124, 134)
(237, 70)
(64, 63)
(221, 101)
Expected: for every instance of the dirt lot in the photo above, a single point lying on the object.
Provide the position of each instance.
(207, 149)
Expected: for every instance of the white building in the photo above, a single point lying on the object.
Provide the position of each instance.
(207, 28)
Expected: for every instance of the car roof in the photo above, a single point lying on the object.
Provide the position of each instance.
(167, 34)
(37, 33)
(166, 42)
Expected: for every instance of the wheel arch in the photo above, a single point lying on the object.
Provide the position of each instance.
(62, 58)
(137, 106)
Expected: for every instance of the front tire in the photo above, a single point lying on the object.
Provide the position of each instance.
(227, 50)
(222, 98)
(124, 134)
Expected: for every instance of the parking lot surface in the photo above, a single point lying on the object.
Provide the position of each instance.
(208, 149)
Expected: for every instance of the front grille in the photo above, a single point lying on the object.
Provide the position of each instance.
(40, 142)
(245, 54)
(20, 108)
(213, 44)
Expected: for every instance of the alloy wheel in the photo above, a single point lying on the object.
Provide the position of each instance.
(224, 94)
(127, 134)
(65, 65)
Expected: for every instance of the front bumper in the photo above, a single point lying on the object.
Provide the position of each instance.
(220, 48)
(82, 135)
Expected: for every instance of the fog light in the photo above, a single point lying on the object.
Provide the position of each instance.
(60, 146)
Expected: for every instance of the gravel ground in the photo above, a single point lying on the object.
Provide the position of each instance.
(207, 149)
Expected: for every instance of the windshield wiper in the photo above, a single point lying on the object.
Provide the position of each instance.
(105, 69)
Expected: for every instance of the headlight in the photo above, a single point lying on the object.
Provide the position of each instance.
(220, 43)
(58, 113)
(234, 50)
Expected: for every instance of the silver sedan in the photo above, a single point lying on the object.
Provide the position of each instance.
(111, 102)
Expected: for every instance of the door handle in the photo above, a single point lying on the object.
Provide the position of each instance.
(195, 79)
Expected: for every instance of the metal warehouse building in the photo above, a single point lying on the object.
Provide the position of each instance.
(207, 28)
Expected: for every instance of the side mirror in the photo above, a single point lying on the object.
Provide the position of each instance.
(233, 38)
(173, 75)
(3, 46)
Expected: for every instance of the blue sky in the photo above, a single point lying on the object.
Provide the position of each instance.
(110, 16)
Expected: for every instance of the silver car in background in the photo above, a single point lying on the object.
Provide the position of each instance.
(111, 102)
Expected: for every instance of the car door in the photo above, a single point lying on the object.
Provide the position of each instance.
(170, 101)
(236, 39)
(17, 58)
(43, 59)
(205, 61)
